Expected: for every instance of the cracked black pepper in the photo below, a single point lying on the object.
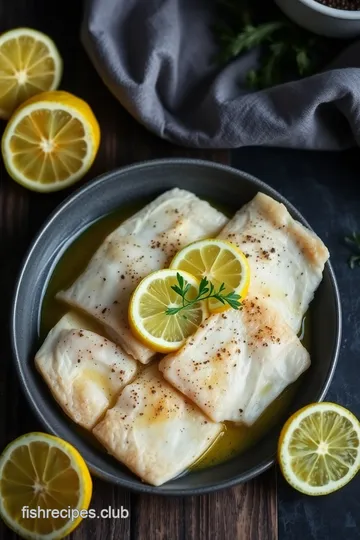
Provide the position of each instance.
(347, 5)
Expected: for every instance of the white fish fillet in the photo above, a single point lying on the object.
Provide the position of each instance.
(154, 430)
(286, 259)
(238, 362)
(84, 371)
(142, 244)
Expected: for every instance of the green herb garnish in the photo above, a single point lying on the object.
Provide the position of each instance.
(353, 241)
(250, 36)
(206, 291)
(286, 51)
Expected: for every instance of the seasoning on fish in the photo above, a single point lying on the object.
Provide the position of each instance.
(142, 244)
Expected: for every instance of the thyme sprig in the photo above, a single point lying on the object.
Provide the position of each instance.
(285, 51)
(206, 290)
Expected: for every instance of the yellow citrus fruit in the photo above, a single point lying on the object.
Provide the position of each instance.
(29, 64)
(319, 448)
(50, 141)
(41, 471)
(148, 319)
(221, 263)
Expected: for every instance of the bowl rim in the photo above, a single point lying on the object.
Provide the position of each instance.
(335, 13)
(135, 485)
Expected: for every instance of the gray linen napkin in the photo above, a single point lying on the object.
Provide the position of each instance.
(156, 57)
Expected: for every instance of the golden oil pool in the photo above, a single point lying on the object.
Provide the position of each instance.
(234, 439)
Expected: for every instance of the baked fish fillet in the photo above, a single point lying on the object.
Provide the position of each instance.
(286, 259)
(142, 244)
(84, 371)
(237, 362)
(154, 430)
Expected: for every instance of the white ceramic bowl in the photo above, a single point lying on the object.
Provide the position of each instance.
(321, 19)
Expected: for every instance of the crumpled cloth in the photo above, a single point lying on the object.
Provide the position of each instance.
(157, 58)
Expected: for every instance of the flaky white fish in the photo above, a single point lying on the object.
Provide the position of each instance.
(237, 362)
(286, 259)
(84, 371)
(142, 244)
(154, 430)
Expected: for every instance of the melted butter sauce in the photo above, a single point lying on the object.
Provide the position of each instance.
(234, 439)
(74, 261)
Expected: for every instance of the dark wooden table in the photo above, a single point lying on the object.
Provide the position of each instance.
(247, 512)
(325, 187)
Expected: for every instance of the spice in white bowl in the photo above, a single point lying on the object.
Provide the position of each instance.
(330, 18)
(347, 5)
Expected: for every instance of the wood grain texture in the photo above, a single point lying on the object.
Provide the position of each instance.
(246, 512)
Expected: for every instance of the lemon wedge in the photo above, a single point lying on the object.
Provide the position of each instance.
(220, 262)
(319, 448)
(29, 64)
(51, 141)
(147, 311)
(41, 471)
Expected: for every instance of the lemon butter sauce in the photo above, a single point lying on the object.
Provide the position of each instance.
(234, 439)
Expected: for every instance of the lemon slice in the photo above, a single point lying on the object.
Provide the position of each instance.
(221, 263)
(41, 471)
(29, 63)
(319, 448)
(147, 311)
(51, 141)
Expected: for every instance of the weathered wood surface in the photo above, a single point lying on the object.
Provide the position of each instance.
(247, 512)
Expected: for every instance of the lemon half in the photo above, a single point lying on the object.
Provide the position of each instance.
(51, 141)
(29, 64)
(39, 470)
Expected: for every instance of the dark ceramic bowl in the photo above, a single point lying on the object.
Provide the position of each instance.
(227, 187)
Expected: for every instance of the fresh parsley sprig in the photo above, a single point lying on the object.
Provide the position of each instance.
(353, 241)
(234, 43)
(285, 51)
(206, 291)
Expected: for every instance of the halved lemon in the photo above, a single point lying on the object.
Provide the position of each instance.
(149, 303)
(29, 64)
(319, 448)
(39, 471)
(220, 262)
(50, 141)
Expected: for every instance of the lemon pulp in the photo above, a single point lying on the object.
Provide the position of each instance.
(29, 64)
(39, 471)
(319, 448)
(148, 311)
(41, 145)
(51, 141)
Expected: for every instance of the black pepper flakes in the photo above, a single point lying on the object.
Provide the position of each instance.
(345, 5)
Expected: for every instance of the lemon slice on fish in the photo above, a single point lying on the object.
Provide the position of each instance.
(221, 263)
(148, 308)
